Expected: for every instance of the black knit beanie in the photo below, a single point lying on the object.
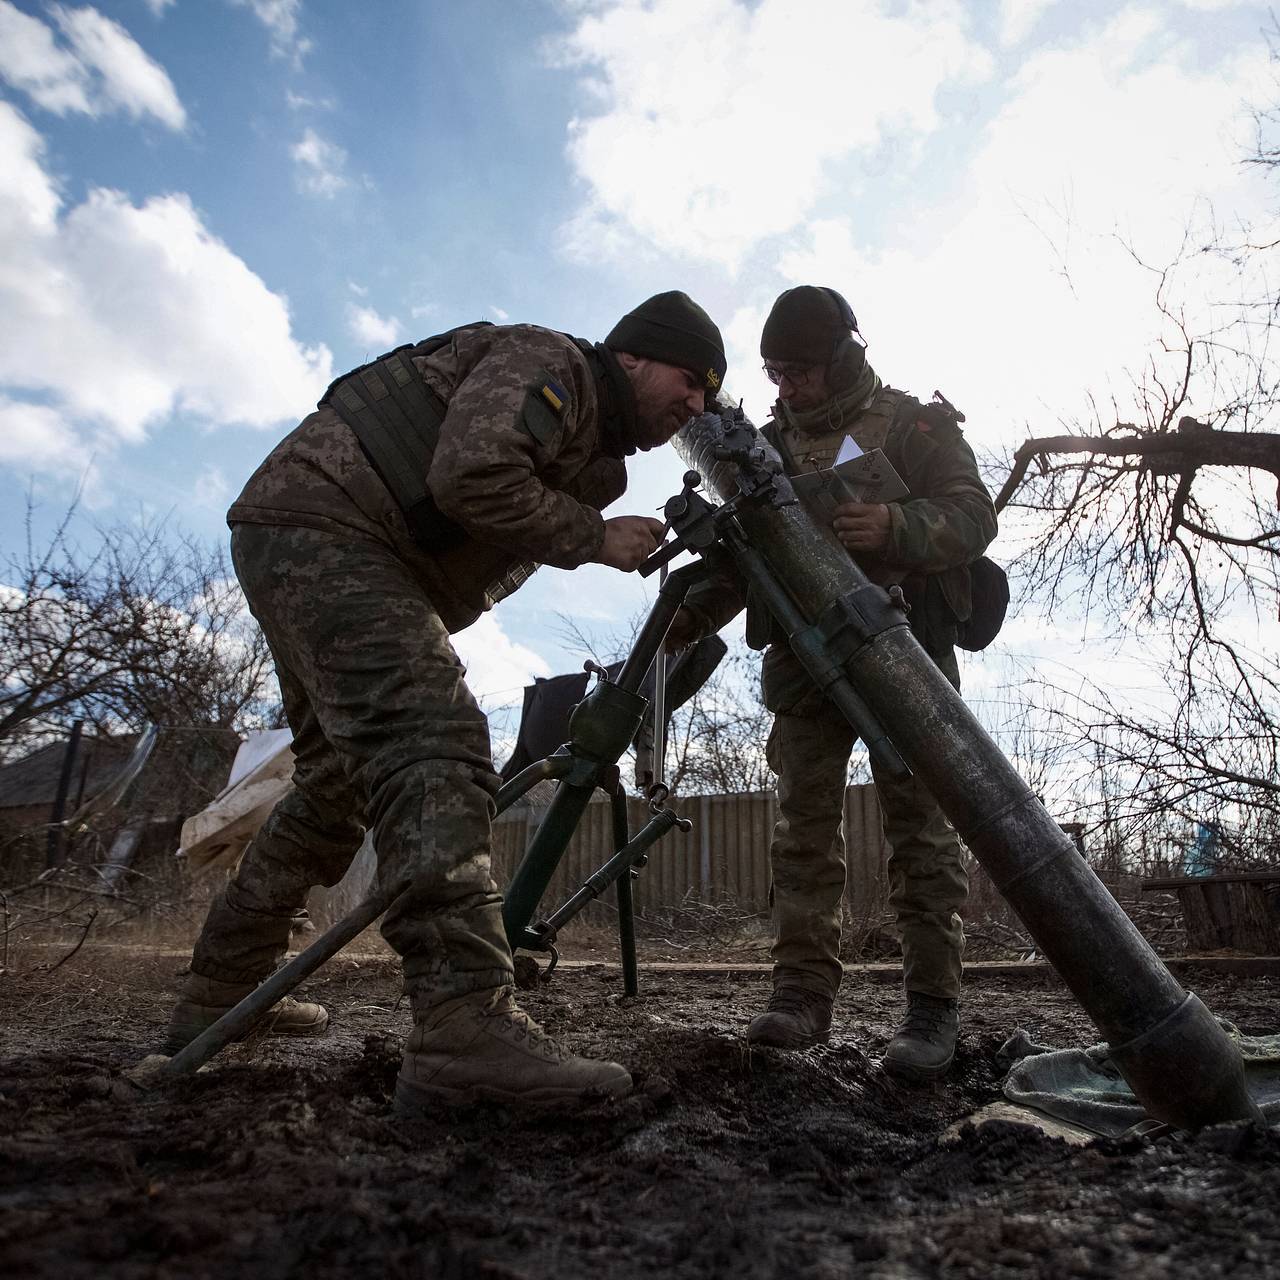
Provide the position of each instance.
(806, 326)
(672, 328)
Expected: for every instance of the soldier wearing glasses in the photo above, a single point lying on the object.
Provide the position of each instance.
(827, 390)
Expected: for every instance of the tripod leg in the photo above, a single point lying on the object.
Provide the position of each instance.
(626, 907)
(239, 1019)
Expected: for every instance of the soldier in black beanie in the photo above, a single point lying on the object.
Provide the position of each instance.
(673, 329)
(425, 488)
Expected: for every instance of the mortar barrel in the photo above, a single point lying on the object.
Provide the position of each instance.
(1181, 1065)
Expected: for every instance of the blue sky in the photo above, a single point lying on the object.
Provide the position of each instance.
(210, 207)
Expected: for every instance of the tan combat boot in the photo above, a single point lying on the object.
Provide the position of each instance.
(924, 1044)
(796, 1018)
(483, 1046)
(204, 1001)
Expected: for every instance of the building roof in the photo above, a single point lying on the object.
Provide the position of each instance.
(33, 780)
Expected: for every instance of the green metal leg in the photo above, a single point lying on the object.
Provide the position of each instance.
(626, 907)
(541, 859)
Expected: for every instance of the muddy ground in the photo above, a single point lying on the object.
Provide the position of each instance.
(286, 1159)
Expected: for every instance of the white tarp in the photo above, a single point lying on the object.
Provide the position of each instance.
(261, 773)
(257, 749)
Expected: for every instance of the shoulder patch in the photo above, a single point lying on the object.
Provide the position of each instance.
(552, 392)
(545, 405)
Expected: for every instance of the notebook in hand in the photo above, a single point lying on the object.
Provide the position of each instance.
(869, 477)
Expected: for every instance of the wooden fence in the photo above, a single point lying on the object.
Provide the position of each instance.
(724, 859)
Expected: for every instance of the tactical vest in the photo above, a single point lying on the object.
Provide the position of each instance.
(396, 417)
(931, 598)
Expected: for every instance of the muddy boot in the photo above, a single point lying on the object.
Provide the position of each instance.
(925, 1042)
(796, 1018)
(204, 1001)
(484, 1047)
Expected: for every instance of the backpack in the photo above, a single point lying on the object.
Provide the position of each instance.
(989, 586)
(988, 582)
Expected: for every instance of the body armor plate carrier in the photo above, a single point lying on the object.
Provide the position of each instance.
(396, 417)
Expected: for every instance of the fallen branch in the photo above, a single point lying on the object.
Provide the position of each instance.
(88, 924)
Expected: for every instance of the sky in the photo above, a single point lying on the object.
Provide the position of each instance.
(209, 208)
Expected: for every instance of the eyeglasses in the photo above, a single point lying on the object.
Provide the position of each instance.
(796, 374)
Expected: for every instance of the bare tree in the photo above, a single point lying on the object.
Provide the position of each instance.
(1165, 533)
(717, 739)
(145, 625)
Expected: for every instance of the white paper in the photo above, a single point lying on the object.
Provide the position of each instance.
(848, 449)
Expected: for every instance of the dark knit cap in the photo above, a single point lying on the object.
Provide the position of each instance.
(672, 328)
(806, 326)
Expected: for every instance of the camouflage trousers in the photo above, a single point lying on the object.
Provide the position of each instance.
(809, 749)
(385, 734)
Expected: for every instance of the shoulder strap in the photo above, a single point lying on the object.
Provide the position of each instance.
(939, 415)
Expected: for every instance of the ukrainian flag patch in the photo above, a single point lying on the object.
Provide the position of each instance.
(545, 404)
(554, 394)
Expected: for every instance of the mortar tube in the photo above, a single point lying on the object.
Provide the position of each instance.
(1179, 1062)
(833, 682)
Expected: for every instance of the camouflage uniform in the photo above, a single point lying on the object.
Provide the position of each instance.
(944, 524)
(358, 616)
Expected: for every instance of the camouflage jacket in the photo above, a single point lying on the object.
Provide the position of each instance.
(943, 524)
(524, 486)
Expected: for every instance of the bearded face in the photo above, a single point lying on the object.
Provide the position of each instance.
(666, 398)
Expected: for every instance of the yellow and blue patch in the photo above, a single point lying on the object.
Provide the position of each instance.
(545, 405)
(554, 394)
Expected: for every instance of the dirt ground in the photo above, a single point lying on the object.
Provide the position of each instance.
(285, 1158)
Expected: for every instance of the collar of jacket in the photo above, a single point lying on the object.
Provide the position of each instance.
(617, 401)
(833, 414)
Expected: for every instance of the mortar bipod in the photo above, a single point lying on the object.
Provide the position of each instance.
(601, 728)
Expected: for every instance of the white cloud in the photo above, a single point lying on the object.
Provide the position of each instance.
(370, 329)
(31, 61)
(1016, 294)
(104, 70)
(699, 149)
(119, 316)
(499, 314)
(280, 17)
(1019, 17)
(158, 7)
(130, 79)
(498, 667)
(210, 488)
(302, 102)
(39, 438)
(319, 164)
